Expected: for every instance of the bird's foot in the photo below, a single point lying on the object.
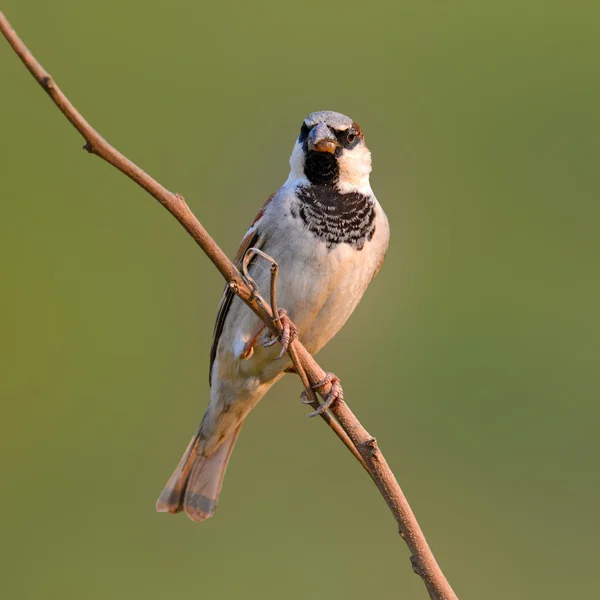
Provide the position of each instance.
(336, 393)
(288, 332)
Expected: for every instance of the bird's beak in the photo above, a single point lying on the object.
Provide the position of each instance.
(321, 139)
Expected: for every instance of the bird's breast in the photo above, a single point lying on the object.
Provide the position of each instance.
(335, 217)
(326, 259)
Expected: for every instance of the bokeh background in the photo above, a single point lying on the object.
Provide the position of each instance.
(473, 358)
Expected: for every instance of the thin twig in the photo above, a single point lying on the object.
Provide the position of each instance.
(422, 558)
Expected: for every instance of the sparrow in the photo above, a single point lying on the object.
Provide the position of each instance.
(329, 235)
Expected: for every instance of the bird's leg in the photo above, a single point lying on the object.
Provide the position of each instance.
(336, 393)
(287, 330)
(249, 347)
(287, 333)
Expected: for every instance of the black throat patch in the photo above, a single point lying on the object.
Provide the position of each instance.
(333, 217)
(321, 167)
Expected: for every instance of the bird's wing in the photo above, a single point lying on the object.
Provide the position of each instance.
(252, 239)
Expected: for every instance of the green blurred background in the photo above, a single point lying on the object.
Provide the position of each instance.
(473, 358)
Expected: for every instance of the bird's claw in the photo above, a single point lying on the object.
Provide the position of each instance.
(336, 393)
(304, 398)
(270, 342)
(288, 333)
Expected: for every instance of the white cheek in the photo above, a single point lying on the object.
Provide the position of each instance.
(297, 164)
(355, 167)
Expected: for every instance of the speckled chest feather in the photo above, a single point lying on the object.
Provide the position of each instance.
(333, 217)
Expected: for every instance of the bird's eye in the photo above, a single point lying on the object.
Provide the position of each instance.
(350, 137)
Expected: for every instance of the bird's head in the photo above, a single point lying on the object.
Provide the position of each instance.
(331, 151)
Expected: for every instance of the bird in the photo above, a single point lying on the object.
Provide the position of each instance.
(329, 235)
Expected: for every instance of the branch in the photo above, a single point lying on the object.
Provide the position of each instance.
(346, 425)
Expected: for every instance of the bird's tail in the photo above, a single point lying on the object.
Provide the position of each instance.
(196, 483)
